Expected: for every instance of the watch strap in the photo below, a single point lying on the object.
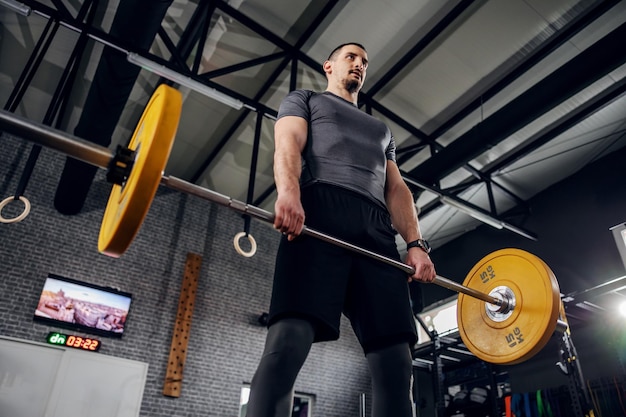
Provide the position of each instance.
(419, 243)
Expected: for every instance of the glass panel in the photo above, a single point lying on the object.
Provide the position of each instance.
(302, 403)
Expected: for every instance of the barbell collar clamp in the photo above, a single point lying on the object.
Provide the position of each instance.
(121, 165)
(561, 326)
(501, 312)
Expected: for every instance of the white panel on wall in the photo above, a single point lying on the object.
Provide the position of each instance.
(48, 381)
(89, 384)
(27, 375)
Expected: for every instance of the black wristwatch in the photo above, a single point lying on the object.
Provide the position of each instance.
(419, 243)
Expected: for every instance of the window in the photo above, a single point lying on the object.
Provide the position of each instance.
(440, 317)
(302, 403)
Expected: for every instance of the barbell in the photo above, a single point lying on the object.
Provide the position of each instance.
(508, 305)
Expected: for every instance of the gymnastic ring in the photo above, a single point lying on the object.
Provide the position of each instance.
(240, 251)
(19, 218)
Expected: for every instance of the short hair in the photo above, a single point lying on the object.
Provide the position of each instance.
(337, 49)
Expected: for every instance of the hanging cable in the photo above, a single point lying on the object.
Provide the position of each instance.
(253, 165)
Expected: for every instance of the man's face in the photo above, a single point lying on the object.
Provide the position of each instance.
(348, 66)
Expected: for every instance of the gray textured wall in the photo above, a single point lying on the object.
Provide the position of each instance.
(226, 340)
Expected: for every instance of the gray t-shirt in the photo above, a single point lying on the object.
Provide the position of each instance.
(346, 147)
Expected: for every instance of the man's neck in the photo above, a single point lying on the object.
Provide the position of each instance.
(344, 94)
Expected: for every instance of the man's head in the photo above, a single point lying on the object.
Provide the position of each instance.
(347, 65)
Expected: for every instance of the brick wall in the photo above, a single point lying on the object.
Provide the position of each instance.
(225, 342)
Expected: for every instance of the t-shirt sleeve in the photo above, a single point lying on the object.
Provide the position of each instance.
(390, 152)
(295, 104)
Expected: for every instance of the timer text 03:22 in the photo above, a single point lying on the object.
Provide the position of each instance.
(78, 342)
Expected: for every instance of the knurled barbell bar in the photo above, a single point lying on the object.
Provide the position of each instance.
(520, 293)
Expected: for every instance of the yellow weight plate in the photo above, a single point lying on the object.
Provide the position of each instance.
(526, 331)
(152, 142)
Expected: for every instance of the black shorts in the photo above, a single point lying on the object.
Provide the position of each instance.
(318, 281)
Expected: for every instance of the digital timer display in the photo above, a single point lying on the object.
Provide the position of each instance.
(77, 342)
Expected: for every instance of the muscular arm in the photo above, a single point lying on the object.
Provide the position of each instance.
(290, 135)
(404, 218)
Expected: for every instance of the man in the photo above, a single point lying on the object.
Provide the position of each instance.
(336, 164)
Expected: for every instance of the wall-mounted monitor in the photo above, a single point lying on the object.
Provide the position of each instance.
(81, 306)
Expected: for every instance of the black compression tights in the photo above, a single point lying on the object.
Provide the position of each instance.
(392, 378)
(286, 348)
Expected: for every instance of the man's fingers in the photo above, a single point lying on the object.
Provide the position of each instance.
(424, 273)
(289, 224)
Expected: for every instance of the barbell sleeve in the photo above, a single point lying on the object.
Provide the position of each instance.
(44, 135)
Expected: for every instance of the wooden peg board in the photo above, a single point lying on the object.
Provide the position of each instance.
(180, 339)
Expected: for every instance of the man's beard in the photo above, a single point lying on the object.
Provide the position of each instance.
(352, 86)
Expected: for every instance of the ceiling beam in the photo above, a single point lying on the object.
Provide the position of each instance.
(422, 44)
(291, 51)
(563, 35)
(606, 55)
(568, 121)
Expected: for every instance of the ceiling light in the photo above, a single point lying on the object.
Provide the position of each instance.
(178, 78)
(450, 358)
(622, 308)
(16, 6)
(478, 215)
